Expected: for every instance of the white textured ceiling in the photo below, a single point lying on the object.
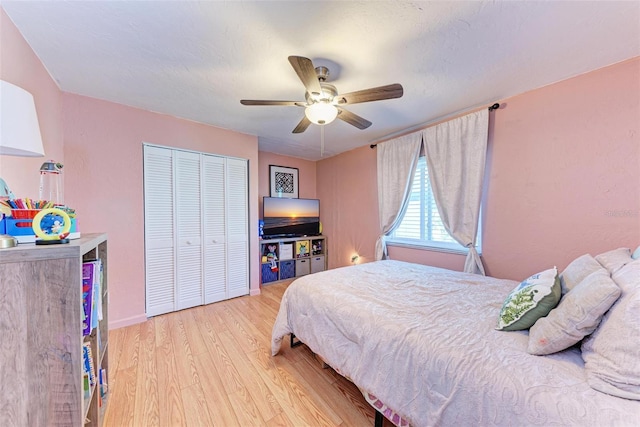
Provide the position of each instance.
(196, 60)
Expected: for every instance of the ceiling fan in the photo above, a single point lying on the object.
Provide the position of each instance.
(323, 103)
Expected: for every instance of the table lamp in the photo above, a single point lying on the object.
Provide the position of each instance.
(19, 134)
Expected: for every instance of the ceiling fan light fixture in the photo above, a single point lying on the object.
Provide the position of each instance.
(321, 113)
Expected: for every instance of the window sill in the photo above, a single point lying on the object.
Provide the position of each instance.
(452, 249)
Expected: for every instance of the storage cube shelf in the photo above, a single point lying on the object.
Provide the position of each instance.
(42, 332)
(291, 257)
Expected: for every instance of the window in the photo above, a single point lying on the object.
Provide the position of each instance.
(421, 224)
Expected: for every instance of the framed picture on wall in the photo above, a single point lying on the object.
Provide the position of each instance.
(283, 181)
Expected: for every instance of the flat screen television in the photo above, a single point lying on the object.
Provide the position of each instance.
(290, 217)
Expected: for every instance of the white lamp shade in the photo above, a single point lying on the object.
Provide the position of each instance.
(321, 113)
(19, 128)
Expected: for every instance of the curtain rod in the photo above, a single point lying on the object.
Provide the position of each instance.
(491, 108)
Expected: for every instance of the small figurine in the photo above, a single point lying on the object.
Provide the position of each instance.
(272, 257)
(302, 249)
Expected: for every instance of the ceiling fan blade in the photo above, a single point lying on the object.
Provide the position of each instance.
(302, 126)
(353, 119)
(306, 71)
(374, 94)
(267, 102)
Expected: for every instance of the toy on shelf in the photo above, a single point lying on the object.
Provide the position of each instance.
(51, 226)
(272, 257)
(20, 221)
(302, 248)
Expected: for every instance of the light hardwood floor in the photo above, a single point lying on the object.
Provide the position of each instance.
(212, 366)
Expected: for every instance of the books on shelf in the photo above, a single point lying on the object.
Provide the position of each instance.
(286, 251)
(94, 375)
(91, 295)
(88, 366)
(104, 388)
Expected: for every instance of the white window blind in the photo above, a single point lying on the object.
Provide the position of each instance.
(421, 224)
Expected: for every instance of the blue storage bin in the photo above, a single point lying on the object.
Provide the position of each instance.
(287, 269)
(19, 227)
(3, 227)
(22, 227)
(268, 275)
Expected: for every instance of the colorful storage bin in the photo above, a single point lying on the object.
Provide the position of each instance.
(24, 213)
(21, 229)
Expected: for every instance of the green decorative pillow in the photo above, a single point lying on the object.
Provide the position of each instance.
(532, 299)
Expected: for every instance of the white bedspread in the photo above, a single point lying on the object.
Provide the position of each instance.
(422, 340)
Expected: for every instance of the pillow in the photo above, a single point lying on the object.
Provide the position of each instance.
(612, 352)
(578, 314)
(579, 268)
(532, 299)
(636, 253)
(614, 260)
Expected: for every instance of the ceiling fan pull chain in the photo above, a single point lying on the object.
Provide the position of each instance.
(322, 141)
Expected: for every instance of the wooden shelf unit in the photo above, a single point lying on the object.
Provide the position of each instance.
(41, 329)
(294, 257)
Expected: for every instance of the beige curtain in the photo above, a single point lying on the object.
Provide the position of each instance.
(397, 160)
(456, 153)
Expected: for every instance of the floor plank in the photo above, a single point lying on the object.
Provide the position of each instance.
(146, 397)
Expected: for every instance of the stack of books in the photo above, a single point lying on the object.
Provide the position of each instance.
(91, 295)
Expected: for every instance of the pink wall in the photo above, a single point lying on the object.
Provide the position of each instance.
(103, 151)
(20, 66)
(306, 174)
(565, 172)
(563, 180)
(100, 144)
(349, 205)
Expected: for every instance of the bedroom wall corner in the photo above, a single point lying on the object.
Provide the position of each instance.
(20, 66)
(563, 179)
(306, 174)
(347, 188)
(103, 148)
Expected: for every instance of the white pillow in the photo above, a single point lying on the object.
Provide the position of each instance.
(577, 270)
(614, 260)
(578, 314)
(612, 353)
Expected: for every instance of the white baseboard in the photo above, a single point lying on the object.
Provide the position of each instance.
(127, 322)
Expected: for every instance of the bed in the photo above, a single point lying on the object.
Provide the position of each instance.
(422, 346)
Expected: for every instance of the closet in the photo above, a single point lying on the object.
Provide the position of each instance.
(196, 228)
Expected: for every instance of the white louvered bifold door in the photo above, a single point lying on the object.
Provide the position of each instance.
(159, 230)
(196, 229)
(237, 228)
(214, 219)
(189, 229)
